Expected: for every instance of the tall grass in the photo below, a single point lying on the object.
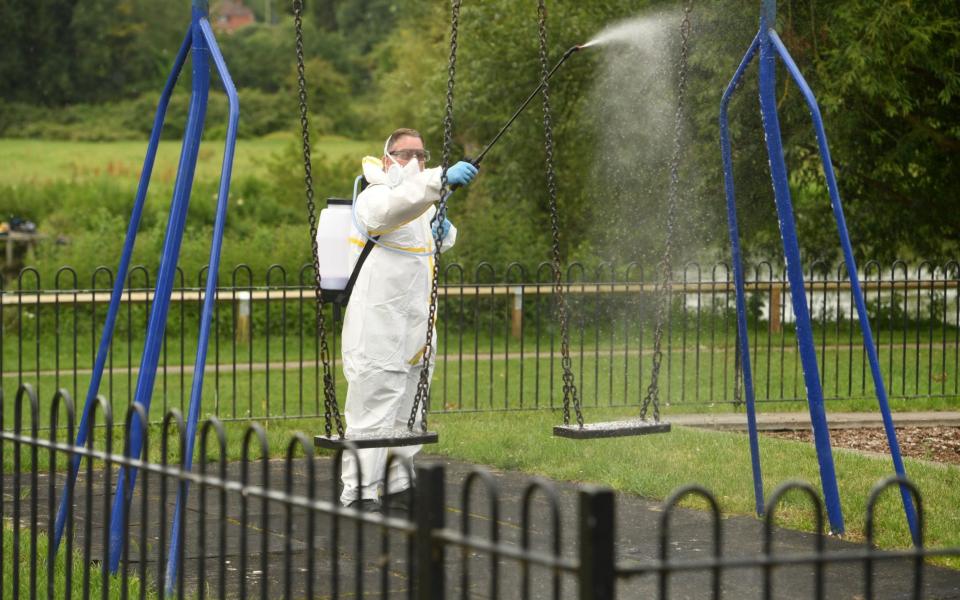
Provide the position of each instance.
(79, 571)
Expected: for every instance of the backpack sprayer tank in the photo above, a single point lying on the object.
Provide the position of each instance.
(334, 258)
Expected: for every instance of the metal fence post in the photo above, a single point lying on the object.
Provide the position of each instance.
(516, 311)
(242, 332)
(773, 316)
(597, 575)
(429, 507)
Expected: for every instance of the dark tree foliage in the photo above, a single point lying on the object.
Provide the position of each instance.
(325, 15)
(56, 52)
(37, 50)
(889, 81)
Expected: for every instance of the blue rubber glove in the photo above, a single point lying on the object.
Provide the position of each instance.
(441, 230)
(461, 173)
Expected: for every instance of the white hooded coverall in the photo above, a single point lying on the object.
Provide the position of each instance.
(385, 326)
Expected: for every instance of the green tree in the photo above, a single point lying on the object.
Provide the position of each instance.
(110, 61)
(13, 48)
(38, 69)
(259, 56)
(325, 15)
(328, 92)
(888, 80)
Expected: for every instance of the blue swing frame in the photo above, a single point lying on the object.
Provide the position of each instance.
(201, 44)
(770, 47)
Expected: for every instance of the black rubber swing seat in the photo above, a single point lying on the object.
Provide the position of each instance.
(383, 438)
(611, 429)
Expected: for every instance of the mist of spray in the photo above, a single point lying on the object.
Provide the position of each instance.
(633, 32)
(634, 100)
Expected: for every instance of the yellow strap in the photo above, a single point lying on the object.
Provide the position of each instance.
(362, 243)
(416, 357)
(386, 230)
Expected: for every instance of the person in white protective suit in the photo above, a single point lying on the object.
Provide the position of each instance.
(385, 326)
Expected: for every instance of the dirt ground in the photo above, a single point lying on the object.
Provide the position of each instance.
(940, 444)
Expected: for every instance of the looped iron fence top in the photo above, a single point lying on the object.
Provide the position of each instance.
(627, 277)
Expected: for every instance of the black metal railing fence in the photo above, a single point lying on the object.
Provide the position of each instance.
(256, 527)
(497, 337)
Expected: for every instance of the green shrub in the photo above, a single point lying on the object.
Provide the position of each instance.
(261, 113)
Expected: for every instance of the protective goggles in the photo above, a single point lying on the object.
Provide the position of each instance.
(420, 155)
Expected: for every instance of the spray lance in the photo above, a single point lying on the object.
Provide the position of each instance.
(533, 94)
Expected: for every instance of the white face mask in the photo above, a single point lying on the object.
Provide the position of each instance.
(397, 173)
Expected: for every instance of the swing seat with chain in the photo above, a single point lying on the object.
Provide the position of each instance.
(382, 438)
(608, 429)
(639, 425)
(406, 437)
(335, 436)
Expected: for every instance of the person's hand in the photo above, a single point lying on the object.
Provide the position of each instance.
(461, 173)
(441, 230)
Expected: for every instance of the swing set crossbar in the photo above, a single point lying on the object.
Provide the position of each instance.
(382, 438)
(611, 429)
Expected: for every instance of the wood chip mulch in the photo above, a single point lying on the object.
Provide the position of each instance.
(939, 444)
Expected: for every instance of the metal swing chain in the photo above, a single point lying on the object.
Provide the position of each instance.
(569, 386)
(330, 407)
(422, 399)
(664, 268)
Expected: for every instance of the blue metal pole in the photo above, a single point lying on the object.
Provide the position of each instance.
(168, 265)
(209, 301)
(121, 277)
(855, 288)
(769, 14)
(791, 251)
(743, 340)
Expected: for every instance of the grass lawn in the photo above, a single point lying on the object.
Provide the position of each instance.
(81, 572)
(24, 161)
(248, 389)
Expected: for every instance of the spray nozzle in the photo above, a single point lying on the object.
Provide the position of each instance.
(573, 49)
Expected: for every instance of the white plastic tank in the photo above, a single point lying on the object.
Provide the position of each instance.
(333, 246)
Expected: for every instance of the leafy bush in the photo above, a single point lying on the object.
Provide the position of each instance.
(261, 112)
(267, 221)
